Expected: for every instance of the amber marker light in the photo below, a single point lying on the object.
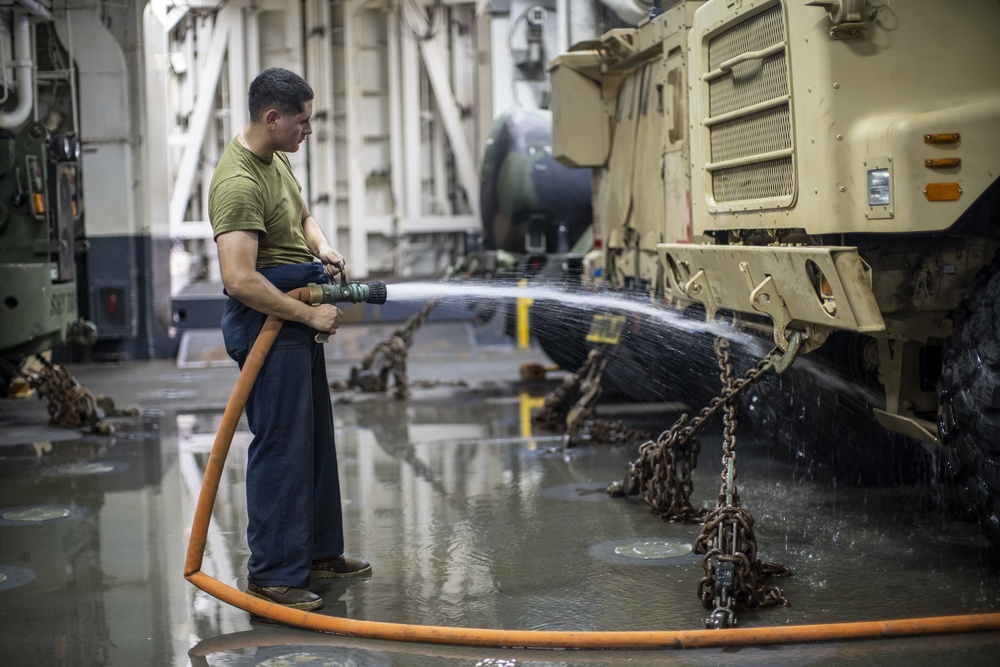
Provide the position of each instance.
(942, 138)
(824, 287)
(38, 202)
(942, 191)
(943, 162)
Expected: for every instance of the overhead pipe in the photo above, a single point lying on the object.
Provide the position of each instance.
(25, 75)
(491, 637)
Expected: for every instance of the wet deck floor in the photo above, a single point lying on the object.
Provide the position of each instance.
(469, 520)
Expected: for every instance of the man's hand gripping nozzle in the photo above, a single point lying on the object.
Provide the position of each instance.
(345, 292)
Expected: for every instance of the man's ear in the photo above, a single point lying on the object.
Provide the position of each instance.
(271, 117)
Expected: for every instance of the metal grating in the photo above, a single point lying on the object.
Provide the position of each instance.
(754, 34)
(760, 180)
(749, 112)
(749, 83)
(758, 133)
(113, 316)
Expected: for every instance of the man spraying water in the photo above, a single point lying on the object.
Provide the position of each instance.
(268, 242)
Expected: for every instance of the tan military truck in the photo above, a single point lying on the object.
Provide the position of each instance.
(812, 168)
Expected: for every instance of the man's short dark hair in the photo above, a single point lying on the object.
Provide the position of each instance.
(278, 88)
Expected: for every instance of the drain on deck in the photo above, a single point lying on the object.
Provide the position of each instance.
(19, 516)
(84, 469)
(646, 551)
(12, 577)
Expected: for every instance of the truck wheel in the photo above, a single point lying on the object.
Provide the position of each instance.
(561, 332)
(969, 394)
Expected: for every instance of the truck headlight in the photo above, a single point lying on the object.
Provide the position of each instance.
(878, 187)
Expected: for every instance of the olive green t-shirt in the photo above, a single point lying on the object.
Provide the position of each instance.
(250, 194)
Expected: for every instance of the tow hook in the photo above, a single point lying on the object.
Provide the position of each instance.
(782, 361)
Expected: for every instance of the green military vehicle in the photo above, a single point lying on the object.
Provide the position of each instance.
(40, 234)
(812, 170)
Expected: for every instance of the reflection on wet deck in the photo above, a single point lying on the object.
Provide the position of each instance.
(469, 520)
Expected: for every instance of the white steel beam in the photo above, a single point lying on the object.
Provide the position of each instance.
(156, 194)
(465, 163)
(322, 157)
(437, 224)
(203, 107)
(438, 150)
(396, 146)
(238, 83)
(251, 41)
(412, 169)
(357, 233)
(484, 80)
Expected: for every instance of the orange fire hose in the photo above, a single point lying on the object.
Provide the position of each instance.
(488, 637)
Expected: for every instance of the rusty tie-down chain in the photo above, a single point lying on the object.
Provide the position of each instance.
(662, 473)
(574, 399)
(662, 476)
(733, 573)
(617, 431)
(69, 404)
(570, 407)
(388, 356)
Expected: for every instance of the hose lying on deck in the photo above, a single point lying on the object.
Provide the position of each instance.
(566, 639)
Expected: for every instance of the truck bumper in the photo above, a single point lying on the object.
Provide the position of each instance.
(815, 289)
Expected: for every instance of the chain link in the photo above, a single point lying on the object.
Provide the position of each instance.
(733, 573)
(661, 474)
(614, 431)
(578, 390)
(388, 356)
(727, 537)
(69, 404)
(570, 407)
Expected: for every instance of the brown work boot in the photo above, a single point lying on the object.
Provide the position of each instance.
(341, 566)
(286, 596)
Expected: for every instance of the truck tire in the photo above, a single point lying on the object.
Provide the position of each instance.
(969, 397)
(561, 332)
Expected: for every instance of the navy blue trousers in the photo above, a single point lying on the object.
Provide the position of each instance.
(292, 482)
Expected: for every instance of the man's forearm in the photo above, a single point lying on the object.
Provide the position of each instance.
(315, 238)
(257, 292)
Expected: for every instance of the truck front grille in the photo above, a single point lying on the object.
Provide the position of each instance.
(749, 119)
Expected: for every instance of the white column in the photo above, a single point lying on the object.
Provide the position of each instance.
(357, 252)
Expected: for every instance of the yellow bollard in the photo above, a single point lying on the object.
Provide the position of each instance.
(523, 333)
(529, 403)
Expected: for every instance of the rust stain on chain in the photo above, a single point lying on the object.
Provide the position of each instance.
(70, 404)
(570, 408)
(661, 475)
(388, 356)
(733, 573)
